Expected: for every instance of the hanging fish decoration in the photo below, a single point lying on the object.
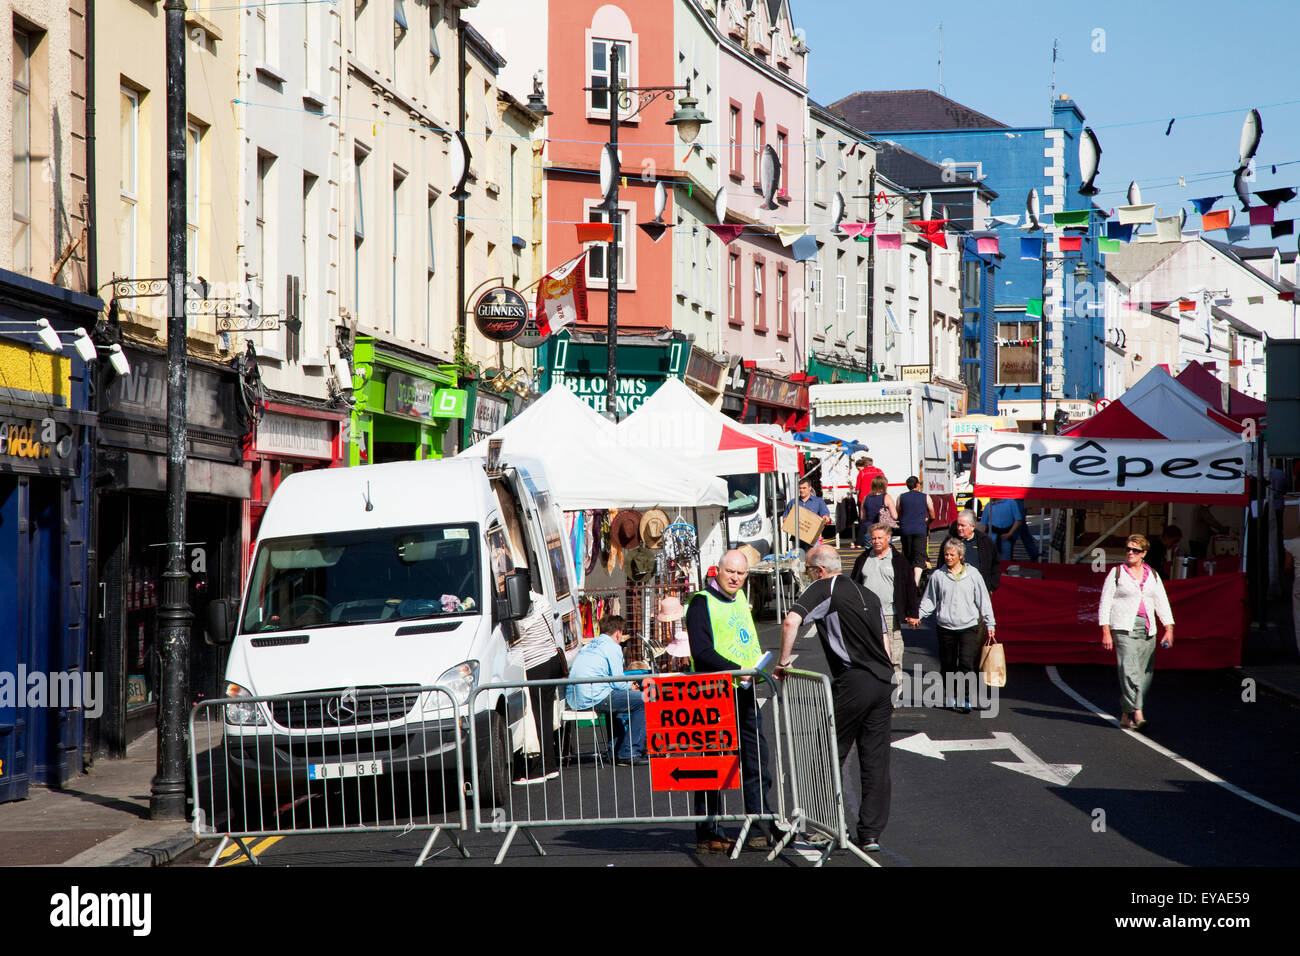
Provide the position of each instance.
(1251, 130)
(1134, 194)
(1239, 184)
(1182, 219)
(1089, 157)
(720, 205)
(837, 211)
(927, 207)
(771, 176)
(460, 160)
(1031, 210)
(661, 200)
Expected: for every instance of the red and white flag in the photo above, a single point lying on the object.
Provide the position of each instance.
(562, 297)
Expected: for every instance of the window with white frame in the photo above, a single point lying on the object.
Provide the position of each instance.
(308, 240)
(760, 139)
(601, 61)
(435, 54)
(708, 272)
(782, 300)
(358, 225)
(21, 119)
(597, 267)
(431, 266)
(398, 179)
(733, 288)
(733, 138)
(193, 197)
(819, 179)
(263, 239)
(760, 298)
(129, 187)
(864, 299)
(841, 293)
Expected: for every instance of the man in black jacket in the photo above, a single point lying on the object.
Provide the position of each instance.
(884, 571)
(981, 551)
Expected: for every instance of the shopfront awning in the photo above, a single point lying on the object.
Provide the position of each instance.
(849, 408)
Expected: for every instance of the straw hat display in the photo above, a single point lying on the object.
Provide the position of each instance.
(653, 523)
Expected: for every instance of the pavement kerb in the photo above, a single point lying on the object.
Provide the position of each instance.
(175, 849)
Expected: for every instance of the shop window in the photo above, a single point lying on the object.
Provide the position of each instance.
(1018, 353)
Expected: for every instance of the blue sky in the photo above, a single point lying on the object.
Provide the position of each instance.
(1129, 66)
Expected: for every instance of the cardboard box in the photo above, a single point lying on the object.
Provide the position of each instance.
(810, 525)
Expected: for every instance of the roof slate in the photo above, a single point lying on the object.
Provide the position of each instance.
(899, 110)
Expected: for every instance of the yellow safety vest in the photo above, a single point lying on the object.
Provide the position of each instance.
(734, 635)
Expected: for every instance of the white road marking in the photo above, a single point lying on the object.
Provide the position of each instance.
(1165, 751)
(1030, 764)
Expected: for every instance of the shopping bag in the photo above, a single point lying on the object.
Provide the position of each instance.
(993, 664)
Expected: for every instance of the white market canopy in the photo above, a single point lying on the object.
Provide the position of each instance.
(675, 421)
(587, 466)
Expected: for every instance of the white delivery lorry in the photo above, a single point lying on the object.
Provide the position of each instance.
(368, 583)
(905, 426)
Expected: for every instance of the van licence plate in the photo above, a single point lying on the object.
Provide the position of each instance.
(340, 771)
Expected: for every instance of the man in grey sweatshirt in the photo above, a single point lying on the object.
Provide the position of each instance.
(958, 598)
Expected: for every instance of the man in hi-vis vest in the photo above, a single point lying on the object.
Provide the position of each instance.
(723, 638)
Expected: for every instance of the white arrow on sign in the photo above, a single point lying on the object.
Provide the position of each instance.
(1030, 764)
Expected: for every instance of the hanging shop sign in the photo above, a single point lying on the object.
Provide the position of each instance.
(914, 373)
(770, 390)
(489, 415)
(501, 314)
(41, 444)
(420, 398)
(294, 436)
(1051, 466)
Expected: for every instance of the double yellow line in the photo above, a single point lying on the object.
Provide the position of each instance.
(254, 848)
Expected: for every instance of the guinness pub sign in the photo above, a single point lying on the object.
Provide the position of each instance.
(500, 314)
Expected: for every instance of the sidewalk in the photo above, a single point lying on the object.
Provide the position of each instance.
(99, 818)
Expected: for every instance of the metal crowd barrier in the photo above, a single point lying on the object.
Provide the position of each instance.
(591, 789)
(816, 785)
(349, 760)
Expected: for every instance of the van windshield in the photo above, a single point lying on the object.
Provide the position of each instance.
(359, 577)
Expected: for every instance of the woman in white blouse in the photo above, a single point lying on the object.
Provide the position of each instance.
(1131, 597)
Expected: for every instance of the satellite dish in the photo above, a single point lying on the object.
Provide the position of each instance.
(460, 159)
(720, 205)
(837, 211)
(608, 171)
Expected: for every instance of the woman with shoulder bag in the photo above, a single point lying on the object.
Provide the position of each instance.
(879, 506)
(1131, 598)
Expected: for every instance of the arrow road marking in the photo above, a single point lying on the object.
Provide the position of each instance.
(1030, 764)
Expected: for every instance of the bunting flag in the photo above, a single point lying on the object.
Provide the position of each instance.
(655, 230)
(936, 238)
(889, 240)
(987, 246)
(1119, 232)
(1237, 233)
(1071, 243)
(1186, 305)
(789, 233)
(1286, 296)
(1031, 248)
(1004, 220)
(1215, 220)
(1273, 197)
(857, 230)
(1034, 309)
(1169, 228)
(727, 233)
(1137, 215)
(1072, 219)
(1261, 215)
(1204, 204)
(1108, 246)
(595, 231)
(562, 296)
(1283, 227)
(804, 248)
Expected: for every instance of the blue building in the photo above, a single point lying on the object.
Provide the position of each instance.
(46, 459)
(1070, 285)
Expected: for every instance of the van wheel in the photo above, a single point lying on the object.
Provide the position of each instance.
(494, 763)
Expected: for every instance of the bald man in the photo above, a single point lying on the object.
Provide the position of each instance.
(724, 638)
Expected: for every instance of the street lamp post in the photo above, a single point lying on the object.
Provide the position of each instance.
(688, 119)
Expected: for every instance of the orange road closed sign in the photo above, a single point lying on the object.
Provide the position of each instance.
(691, 733)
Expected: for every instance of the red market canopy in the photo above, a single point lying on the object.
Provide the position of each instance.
(1206, 385)
(1158, 442)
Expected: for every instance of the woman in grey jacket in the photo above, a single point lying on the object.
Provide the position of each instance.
(958, 598)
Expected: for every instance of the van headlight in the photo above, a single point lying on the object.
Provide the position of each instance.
(751, 527)
(460, 680)
(242, 713)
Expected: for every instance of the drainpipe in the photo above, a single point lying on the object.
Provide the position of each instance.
(871, 274)
(462, 333)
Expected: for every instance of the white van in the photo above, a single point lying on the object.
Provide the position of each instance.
(380, 579)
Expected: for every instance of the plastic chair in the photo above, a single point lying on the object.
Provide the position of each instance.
(571, 721)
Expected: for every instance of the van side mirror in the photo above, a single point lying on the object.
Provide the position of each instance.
(221, 621)
(518, 600)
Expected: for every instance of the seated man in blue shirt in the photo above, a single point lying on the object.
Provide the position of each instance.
(603, 657)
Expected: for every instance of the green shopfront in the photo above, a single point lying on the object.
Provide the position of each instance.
(405, 410)
(829, 368)
(581, 365)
